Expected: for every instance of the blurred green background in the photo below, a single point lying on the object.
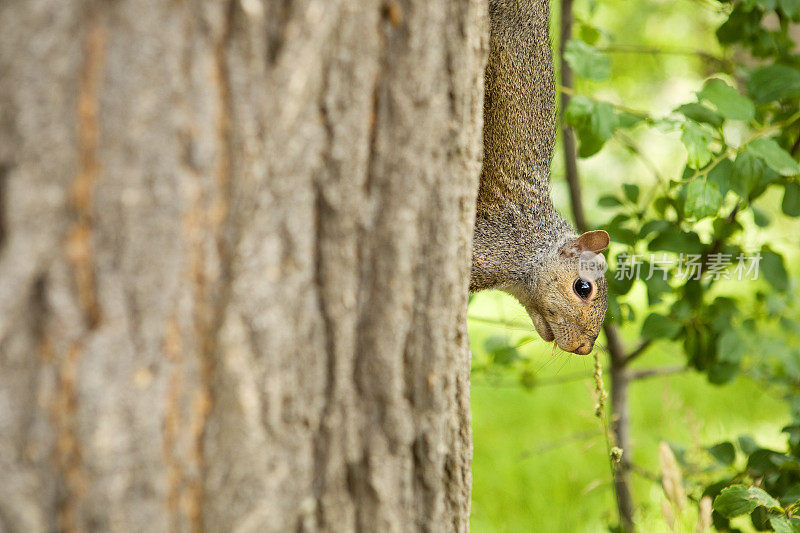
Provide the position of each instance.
(540, 460)
(540, 456)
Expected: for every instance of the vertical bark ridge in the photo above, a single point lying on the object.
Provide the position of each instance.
(79, 250)
(214, 301)
(79, 245)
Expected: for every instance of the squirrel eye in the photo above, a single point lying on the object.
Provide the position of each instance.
(582, 288)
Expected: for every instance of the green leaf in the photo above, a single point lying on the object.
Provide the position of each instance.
(791, 199)
(741, 22)
(589, 34)
(631, 192)
(603, 121)
(720, 311)
(776, 157)
(730, 348)
(656, 285)
(527, 379)
(618, 221)
(652, 226)
(781, 524)
(614, 313)
(775, 82)
(767, 178)
(759, 217)
(747, 444)
(762, 461)
(790, 8)
(594, 123)
(720, 372)
(724, 452)
(621, 285)
(790, 495)
(501, 352)
(721, 175)
(624, 235)
(658, 326)
(760, 519)
(676, 241)
(713, 490)
(579, 110)
(586, 61)
(762, 5)
(660, 204)
(738, 500)
(628, 120)
(746, 173)
(703, 199)
(763, 498)
(701, 113)
(773, 269)
(609, 201)
(727, 100)
(696, 139)
(734, 501)
(724, 229)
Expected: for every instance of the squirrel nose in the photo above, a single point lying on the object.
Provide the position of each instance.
(584, 348)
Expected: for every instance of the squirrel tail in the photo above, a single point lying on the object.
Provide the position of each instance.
(519, 122)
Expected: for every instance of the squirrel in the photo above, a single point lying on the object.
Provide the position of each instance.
(521, 245)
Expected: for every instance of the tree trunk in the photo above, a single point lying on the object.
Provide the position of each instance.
(234, 259)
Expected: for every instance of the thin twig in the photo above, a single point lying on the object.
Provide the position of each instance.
(614, 451)
(567, 135)
(646, 474)
(631, 145)
(638, 351)
(635, 375)
(572, 92)
(652, 50)
(535, 382)
(733, 151)
(619, 407)
(501, 323)
(554, 445)
(716, 244)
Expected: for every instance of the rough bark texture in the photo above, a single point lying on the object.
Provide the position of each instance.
(234, 258)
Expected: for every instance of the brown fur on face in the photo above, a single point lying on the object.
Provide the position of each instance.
(557, 312)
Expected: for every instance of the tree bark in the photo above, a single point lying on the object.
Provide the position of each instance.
(234, 259)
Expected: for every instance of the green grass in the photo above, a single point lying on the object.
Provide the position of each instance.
(540, 460)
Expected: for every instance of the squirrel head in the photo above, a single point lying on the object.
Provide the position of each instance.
(566, 293)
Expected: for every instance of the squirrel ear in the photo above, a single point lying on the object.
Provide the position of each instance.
(592, 241)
